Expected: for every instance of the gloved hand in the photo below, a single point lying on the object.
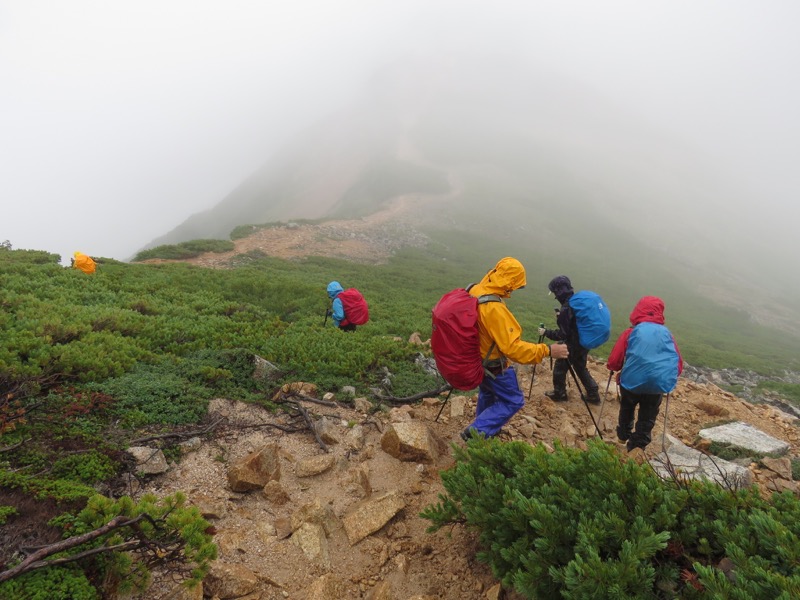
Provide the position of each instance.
(542, 331)
(329, 313)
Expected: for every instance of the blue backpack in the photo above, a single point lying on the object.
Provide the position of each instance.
(592, 318)
(651, 360)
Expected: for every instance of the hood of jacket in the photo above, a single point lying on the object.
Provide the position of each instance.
(334, 287)
(508, 275)
(649, 309)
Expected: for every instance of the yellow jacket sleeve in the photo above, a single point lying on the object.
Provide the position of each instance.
(497, 324)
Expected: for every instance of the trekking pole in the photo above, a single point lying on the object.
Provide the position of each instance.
(436, 420)
(605, 397)
(533, 373)
(583, 397)
(664, 433)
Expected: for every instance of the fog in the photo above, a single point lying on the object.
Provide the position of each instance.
(121, 119)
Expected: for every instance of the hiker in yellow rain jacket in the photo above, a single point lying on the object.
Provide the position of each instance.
(84, 263)
(499, 398)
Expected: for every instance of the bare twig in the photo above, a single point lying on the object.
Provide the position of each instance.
(14, 446)
(310, 424)
(414, 398)
(185, 434)
(36, 560)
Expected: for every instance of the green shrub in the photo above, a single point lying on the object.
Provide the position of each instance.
(5, 512)
(90, 467)
(54, 583)
(574, 524)
(185, 250)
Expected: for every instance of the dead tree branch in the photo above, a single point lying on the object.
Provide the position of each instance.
(429, 394)
(37, 559)
(309, 421)
(179, 435)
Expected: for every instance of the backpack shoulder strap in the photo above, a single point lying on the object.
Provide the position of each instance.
(488, 298)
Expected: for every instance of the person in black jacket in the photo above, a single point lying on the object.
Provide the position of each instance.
(567, 332)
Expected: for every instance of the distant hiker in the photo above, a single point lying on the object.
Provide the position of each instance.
(648, 362)
(568, 332)
(348, 307)
(500, 337)
(84, 263)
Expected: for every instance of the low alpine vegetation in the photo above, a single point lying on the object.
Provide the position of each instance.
(589, 524)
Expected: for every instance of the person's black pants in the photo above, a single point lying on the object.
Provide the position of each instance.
(577, 357)
(649, 405)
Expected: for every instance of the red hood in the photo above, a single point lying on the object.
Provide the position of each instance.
(649, 309)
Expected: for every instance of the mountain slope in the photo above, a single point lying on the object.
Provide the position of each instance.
(549, 170)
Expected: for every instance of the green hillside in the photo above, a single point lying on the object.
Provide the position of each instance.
(92, 362)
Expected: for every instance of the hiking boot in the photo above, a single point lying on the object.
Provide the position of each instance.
(637, 455)
(557, 395)
(593, 398)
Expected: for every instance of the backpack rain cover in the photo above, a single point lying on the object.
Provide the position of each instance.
(355, 307)
(651, 361)
(592, 318)
(454, 340)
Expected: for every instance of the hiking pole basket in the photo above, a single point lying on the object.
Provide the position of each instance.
(583, 397)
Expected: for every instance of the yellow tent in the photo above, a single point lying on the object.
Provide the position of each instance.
(84, 263)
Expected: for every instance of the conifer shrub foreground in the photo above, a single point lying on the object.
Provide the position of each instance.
(591, 524)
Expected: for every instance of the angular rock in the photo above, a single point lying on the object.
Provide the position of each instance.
(310, 538)
(210, 507)
(255, 470)
(495, 592)
(382, 591)
(283, 527)
(296, 387)
(275, 493)
(264, 370)
(691, 464)
(150, 461)
(411, 442)
(355, 438)
(181, 592)
(371, 515)
(457, 404)
(327, 587)
(317, 513)
(227, 580)
(745, 436)
(190, 445)
(314, 465)
(362, 405)
(328, 431)
(781, 466)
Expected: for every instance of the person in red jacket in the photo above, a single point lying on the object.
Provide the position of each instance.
(648, 362)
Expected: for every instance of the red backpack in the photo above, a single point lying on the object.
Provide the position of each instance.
(454, 340)
(355, 307)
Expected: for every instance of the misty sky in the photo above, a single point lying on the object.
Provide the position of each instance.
(120, 119)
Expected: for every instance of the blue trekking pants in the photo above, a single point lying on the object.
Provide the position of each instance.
(498, 400)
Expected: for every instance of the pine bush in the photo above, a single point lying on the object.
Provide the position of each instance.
(590, 524)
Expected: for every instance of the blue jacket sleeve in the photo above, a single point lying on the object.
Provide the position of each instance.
(338, 312)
